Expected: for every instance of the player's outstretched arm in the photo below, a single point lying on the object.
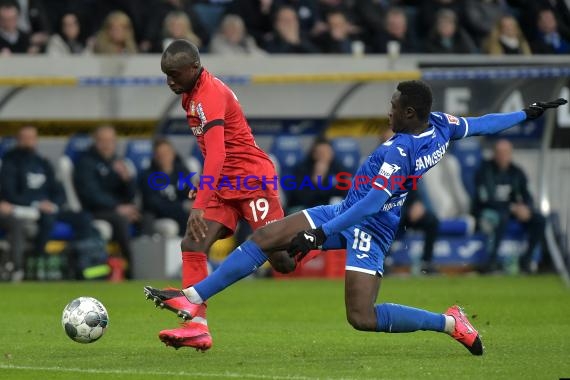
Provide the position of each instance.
(497, 122)
(312, 239)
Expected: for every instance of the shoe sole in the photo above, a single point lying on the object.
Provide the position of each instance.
(159, 302)
(178, 343)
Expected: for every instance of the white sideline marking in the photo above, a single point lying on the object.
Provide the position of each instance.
(154, 373)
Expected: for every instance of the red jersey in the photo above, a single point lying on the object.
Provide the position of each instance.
(212, 105)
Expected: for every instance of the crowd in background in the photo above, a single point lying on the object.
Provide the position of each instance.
(62, 27)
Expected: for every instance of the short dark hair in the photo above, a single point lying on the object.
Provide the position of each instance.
(416, 94)
(181, 52)
(10, 4)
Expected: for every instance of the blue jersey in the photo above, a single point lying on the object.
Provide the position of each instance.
(396, 165)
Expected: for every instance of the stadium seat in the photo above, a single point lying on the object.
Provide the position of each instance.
(469, 155)
(6, 144)
(289, 153)
(138, 153)
(76, 145)
(347, 153)
(62, 231)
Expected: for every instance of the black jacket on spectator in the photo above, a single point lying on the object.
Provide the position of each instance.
(26, 177)
(258, 24)
(498, 189)
(275, 44)
(21, 45)
(168, 202)
(98, 186)
(461, 43)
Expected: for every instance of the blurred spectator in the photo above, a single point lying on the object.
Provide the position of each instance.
(530, 9)
(308, 14)
(12, 263)
(232, 39)
(257, 16)
(549, 39)
(27, 179)
(502, 195)
(481, 16)
(337, 39)
(447, 37)
(417, 215)
(67, 40)
(397, 31)
(370, 15)
(12, 39)
(116, 36)
(34, 20)
(430, 9)
(155, 27)
(506, 38)
(171, 202)
(178, 26)
(320, 166)
(106, 188)
(287, 36)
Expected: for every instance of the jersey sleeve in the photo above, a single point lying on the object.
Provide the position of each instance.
(457, 126)
(211, 109)
(396, 163)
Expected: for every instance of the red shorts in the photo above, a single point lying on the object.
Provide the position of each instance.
(256, 209)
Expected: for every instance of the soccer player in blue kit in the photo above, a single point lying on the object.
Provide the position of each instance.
(364, 223)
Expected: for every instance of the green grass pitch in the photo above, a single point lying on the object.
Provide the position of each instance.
(293, 329)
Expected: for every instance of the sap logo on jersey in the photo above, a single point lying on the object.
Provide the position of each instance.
(197, 131)
(429, 160)
(386, 170)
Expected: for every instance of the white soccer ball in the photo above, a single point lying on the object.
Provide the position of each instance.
(85, 319)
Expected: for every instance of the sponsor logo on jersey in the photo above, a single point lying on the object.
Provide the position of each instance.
(396, 203)
(386, 170)
(192, 108)
(201, 114)
(429, 160)
(452, 119)
(402, 153)
(362, 256)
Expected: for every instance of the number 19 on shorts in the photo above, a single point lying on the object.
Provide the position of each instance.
(361, 240)
(259, 209)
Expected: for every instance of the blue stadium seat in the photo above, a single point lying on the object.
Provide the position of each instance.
(6, 144)
(469, 155)
(76, 145)
(289, 153)
(139, 153)
(347, 152)
(62, 231)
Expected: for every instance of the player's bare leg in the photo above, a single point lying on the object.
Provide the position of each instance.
(361, 291)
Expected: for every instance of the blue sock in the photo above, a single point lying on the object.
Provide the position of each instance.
(243, 261)
(393, 318)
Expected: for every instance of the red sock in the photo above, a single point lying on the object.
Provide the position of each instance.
(194, 268)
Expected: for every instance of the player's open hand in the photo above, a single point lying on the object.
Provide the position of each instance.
(197, 225)
(536, 110)
(306, 241)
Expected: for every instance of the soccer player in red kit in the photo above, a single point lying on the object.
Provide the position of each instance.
(230, 153)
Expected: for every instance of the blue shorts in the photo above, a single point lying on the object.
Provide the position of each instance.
(365, 252)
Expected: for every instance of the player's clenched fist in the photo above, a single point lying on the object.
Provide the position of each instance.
(197, 225)
(306, 241)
